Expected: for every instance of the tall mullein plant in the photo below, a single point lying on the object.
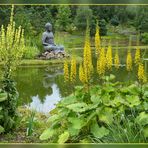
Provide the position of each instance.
(12, 48)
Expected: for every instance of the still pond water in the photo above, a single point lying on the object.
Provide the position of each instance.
(41, 87)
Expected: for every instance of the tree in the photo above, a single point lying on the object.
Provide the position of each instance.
(114, 21)
(103, 28)
(83, 14)
(63, 21)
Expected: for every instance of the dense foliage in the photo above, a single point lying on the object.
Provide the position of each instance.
(91, 116)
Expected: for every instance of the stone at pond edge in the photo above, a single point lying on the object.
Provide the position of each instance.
(52, 55)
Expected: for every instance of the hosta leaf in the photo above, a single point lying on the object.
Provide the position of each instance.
(78, 107)
(63, 137)
(99, 132)
(1, 129)
(76, 122)
(133, 100)
(3, 97)
(47, 134)
(142, 119)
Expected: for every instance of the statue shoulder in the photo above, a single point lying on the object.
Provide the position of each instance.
(44, 33)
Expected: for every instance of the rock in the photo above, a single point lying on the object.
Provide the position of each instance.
(52, 55)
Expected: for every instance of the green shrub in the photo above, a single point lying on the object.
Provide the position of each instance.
(144, 38)
(31, 52)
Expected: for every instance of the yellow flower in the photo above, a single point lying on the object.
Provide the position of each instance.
(129, 61)
(101, 62)
(12, 44)
(66, 71)
(116, 60)
(109, 61)
(81, 74)
(87, 56)
(137, 56)
(97, 39)
(73, 70)
(141, 73)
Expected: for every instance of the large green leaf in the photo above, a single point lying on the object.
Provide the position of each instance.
(132, 100)
(68, 100)
(95, 98)
(142, 119)
(47, 134)
(3, 97)
(72, 131)
(99, 132)
(53, 118)
(106, 115)
(76, 122)
(78, 107)
(63, 137)
(106, 99)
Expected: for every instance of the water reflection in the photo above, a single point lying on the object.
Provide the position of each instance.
(49, 102)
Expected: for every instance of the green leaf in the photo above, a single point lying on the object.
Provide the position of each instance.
(1, 129)
(142, 119)
(99, 132)
(78, 107)
(72, 131)
(133, 100)
(145, 131)
(106, 115)
(68, 100)
(63, 137)
(53, 118)
(76, 122)
(106, 99)
(47, 134)
(3, 97)
(95, 99)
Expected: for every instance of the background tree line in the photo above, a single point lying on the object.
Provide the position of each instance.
(68, 18)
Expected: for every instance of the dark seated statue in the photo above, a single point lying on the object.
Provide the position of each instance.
(48, 41)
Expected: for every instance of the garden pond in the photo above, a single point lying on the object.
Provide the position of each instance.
(41, 87)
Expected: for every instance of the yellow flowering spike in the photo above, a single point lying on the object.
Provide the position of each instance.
(116, 60)
(129, 61)
(81, 74)
(12, 45)
(66, 71)
(97, 39)
(141, 73)
(87, 56)
(137, 56)
(73, 70)
(109, 61)
(101, 62)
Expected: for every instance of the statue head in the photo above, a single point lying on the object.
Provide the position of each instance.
(48, 27)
